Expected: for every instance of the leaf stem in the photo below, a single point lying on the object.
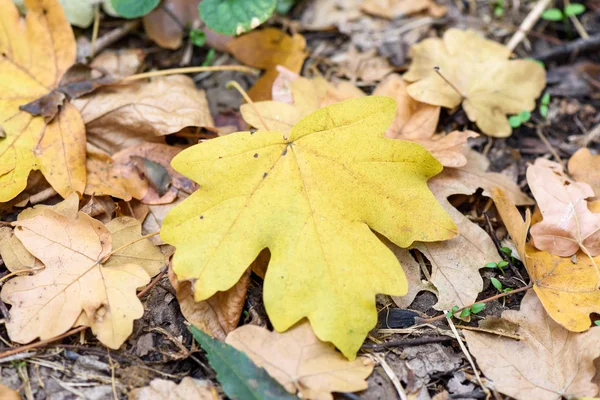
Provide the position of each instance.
(236, 86)
(106, 257)
(189, 70)
(437, 71)
(21, 271)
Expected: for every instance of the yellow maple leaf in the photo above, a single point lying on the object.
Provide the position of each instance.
(33, 58)
(477, 73)
(312, 197)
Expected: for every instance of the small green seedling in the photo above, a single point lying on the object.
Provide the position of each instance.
(500, 265)
(597, 322)
(449, 314)
(556, 14)
(544, 103)
(499, 8)
(498, 285)
(474, 309)
(198, 37)
(210, 58)
(516, 121)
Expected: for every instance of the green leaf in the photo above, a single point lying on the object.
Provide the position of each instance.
(545, 99)
(597, 322)
(497, 284)
(506, 250)
(455, 309)
(506, 290)
(544, 110)
(238, 375)
(477, 308)
(514, 121)
(234, 17)
(574, 9)
(465, 313)
(502, 264)
(553, 14)
(499, 11)
(133, 8)
(491, 265)
(284, 6)
(210, 57)
(524, 116)
(198, 37)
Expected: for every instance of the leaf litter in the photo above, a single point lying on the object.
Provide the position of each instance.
(416, 171)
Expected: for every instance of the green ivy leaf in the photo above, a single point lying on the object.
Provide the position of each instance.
(574, 9)
(514, 121)
(238, 375)
(497, 284)
(477, 308)
(133, 8)
(284, 6)
(234, 17)
(553, 14)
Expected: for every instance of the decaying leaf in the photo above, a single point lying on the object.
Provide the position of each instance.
(300, 362)
(265, 49)
(33, 58)
(165, 24)
(328, 14)
(122, 62)
(392, 9)
(7, 393)
(568, 224)
(118, 117)
(217, 315)
(417, 122)
(567, 287)
(547, 364)
(367, 67)
(187, 389)
(455, 263)
(74, 281)
(310, 197)
(585, 167)
(477, 73)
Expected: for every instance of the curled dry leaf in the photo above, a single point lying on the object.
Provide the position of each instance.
(122, 62)
(265, 49)
(393, 9)
(74, 282)
(568, 224)
(118, 117)
(33, 58)
(566, 286)
(165, 24)
(547, 364)
(187, 389)
(218, 315)
(300, 362)
(477, 74)
(311, 200)
(417, 122)
(585, 167)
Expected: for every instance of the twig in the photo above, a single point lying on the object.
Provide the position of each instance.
(578, 26)
(527, 24)
(437, 71)
(236, 86)
(540, 132)
(189, 70)
(491, 332)
(504, 256)
(498, 296)
(405, 343)
(577, 46)
(113, 36)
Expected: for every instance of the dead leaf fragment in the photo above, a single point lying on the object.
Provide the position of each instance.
(328, 14)
(300, 362)
(568, 224)
(118, 117)
(265, 49)
(548, 363)
(585, 167)
(122, 62)
(7, 393)
(165, 24)
(187, 389)
(392, 9)
(74, 282)
(367, 67)
(477, 74)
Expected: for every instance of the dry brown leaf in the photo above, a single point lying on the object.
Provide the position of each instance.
(455, 263)
(122, 62)
(73, 282)
(300, 362)
(218, 315)
(393, 9)
(585, 167)
(265, 49)
(187, 389)
(165, 24)
(328, 14)
(568, 224)
(417, 122)
(118, 117)
(100, 207)
(7, 393)
(482, 78)
(367, 67)
(547, 364)
(567, 287)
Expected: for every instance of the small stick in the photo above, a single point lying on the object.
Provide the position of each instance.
(20, 272)
(504, 256)
(95, 30)
(236, 86)
(437, 71)
(527, 24)
(540, 132)
(405, 343)
(491, 332)
(498, 296)
(390, 373)
(189, 70)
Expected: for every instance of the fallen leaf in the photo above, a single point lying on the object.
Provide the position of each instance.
(117, 117)
(417, 122)
(7, 393)
(101, 208)
(265, 49)
(79, 12)
(568, 224)
(585, 167)
(15, 256)
(393, 9)
(477, 74)
(310, 197)
(73, 282)
(187, 389)
(300, 362)
(367, 66)
(122, 62)
(567, 287)
(218, 315)
(328, 14)
(547, 364)
(165, 24)
(56, 148)
(455, 263)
